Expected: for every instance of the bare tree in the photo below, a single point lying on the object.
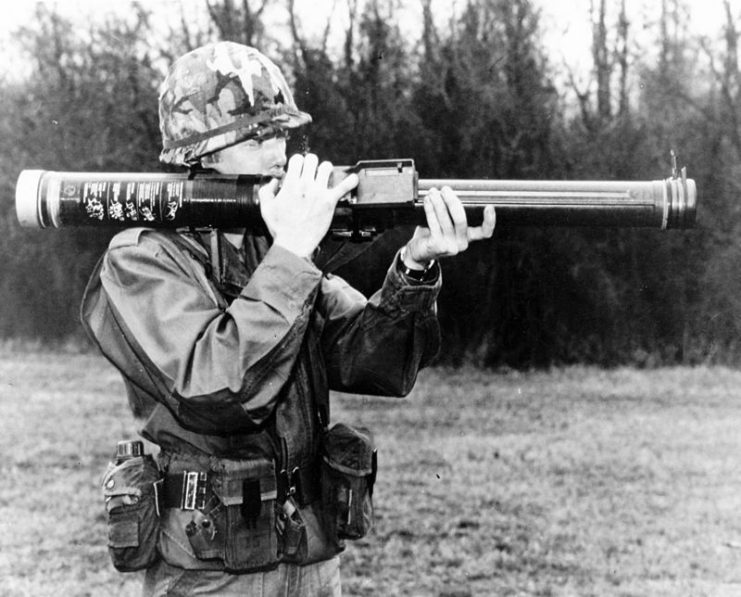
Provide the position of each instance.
(730, 80)
(622, 56)
(602, 57)
(240, 23)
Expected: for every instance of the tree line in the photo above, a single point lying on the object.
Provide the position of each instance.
(477, 97)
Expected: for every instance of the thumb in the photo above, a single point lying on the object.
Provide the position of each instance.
(268, 191)
(417, 245)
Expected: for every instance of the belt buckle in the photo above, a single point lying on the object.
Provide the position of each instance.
(194, 490)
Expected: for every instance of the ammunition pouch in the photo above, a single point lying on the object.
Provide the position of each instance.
(243, 516)
(131, 512)
(348, 472)
(220, 517)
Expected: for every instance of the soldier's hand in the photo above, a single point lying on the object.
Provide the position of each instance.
(298, 215)
(447, 232)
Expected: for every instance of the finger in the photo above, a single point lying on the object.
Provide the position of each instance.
(418, 247)
(457, 216)
(443, 218)
(345, 185)
(308, 172)
(421, 233)
(431, 214)
(490, 220)
(293, 171)
(486, 230)
(268, 191)
(323, 172)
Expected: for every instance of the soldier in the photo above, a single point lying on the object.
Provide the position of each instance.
(230, 340)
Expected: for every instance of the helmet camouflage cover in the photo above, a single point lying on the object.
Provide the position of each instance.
(221, 94)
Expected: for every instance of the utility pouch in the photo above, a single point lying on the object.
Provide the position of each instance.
(247, 492)
(204, 537)
(132, 513)
(292, 532)
(348, 471)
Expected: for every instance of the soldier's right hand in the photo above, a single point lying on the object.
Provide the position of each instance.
(298, 215)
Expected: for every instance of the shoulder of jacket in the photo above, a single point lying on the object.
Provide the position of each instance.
(132, 237)
(127, 238)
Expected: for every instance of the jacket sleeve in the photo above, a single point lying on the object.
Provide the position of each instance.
(377, 346)
(218, 367)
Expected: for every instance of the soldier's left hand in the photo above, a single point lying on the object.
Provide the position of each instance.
(447, 232)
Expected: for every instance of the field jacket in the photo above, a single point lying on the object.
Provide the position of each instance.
(239, 363)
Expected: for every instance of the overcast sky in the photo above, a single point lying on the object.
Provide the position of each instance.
(565, 23)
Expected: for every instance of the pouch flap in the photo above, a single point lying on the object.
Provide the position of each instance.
(349, 449)
(232, 476)
(127, 478)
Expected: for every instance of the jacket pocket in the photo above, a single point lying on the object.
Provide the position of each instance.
(131, 509)
(348, 470)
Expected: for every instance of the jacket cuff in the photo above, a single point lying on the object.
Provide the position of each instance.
(284, 281)
(410, 295)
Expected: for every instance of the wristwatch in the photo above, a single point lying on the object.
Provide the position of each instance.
(419, 276)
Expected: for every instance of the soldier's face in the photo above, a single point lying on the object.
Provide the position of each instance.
(263, 158)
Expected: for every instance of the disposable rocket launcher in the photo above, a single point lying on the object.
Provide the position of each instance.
(389, 194)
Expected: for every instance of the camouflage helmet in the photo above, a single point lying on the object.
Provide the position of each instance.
(218, 95)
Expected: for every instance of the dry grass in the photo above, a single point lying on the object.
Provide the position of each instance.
(570, 482)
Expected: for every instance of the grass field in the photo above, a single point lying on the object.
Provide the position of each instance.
(570, 482)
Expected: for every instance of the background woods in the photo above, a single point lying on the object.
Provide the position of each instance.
(477, 96)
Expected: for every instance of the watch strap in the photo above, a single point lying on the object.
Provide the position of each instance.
(428, 274)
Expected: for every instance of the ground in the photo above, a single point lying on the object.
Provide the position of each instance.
(576, 481)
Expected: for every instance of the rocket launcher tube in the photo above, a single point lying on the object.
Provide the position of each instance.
(389, 193)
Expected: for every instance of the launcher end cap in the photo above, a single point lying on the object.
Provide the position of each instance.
(27, 198)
